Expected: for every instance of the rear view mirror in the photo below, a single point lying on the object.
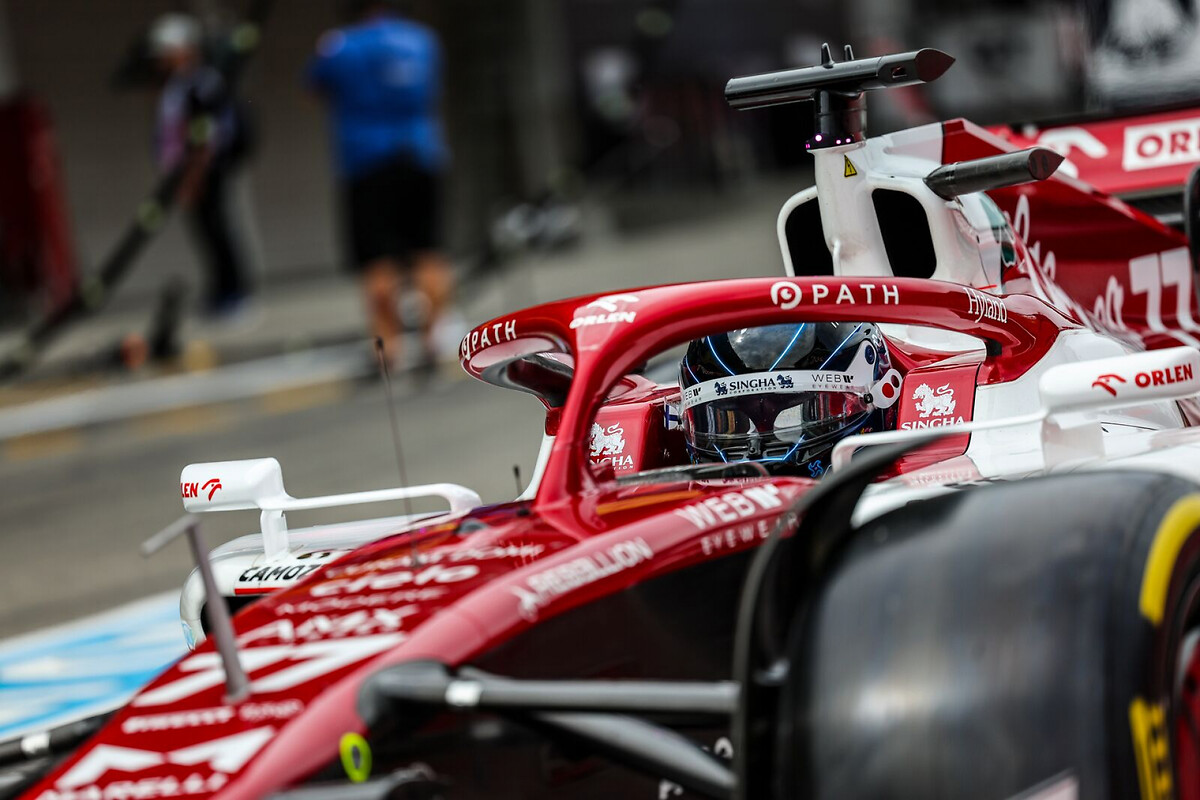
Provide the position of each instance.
(231, 485)
(257, 483)
(1132, 380)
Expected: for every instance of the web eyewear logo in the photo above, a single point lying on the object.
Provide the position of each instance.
(1104, 382)
(785, 295)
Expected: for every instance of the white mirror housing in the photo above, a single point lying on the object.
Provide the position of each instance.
(232, 485)
(257, 483)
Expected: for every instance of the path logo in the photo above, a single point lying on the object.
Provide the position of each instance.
(934, 403)
(1105, 383)
(785, 294)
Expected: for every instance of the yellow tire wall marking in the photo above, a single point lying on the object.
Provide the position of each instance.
(1148, 725)
(1178, 523)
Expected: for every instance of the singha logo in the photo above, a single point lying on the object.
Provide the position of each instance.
(721, 389)
(786, 382)
(930, 403)
(607, 441)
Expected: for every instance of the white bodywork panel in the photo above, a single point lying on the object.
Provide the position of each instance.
(241, 568)
(967, 239)
(965, 245)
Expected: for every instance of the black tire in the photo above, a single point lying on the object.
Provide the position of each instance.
(1001, 638)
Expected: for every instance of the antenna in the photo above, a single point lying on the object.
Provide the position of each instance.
(517, 477)
(837, 88)
(387, 388)
(237, 685)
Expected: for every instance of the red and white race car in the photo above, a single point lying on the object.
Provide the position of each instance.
(997, 594)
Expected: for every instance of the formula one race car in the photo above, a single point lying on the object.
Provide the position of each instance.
(919, 519)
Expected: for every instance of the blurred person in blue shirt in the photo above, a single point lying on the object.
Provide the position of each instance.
(192, 92)
(381, 79)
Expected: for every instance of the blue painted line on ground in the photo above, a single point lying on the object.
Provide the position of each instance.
(86, 667)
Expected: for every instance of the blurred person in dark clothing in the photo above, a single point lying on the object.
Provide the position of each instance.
(381, 79)
(195, 101)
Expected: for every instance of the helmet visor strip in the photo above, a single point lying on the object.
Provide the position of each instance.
(777, 382)
(776, 414)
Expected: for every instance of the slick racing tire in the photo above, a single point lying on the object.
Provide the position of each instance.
(1005, 640)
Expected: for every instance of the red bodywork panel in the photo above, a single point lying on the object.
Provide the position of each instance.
(1130, 155)
(942, 393)
(1113, 267)
(307, 649)
(631, 434)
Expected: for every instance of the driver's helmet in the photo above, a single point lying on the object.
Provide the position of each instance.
(784, 395)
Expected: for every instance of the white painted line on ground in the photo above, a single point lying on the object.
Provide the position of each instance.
(235, 382)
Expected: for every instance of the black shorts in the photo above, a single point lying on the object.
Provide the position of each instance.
(393, 211)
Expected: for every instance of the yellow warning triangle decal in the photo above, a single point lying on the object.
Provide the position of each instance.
(850, 170)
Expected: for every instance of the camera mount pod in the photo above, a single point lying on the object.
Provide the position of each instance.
(837, 89)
